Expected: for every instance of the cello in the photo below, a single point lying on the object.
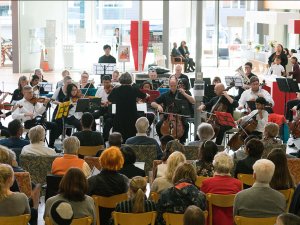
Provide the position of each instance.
(237, 140)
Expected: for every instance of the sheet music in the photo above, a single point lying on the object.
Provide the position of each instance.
(94, 172)
(142, 107)
(104, 68)
(140, 165)
(113, 108)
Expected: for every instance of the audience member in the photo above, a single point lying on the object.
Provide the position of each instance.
(37, 143)
(137, 202)
(70, 158)
(129, 169)
(109, 181)
(87, 137)
(164, 140)
(164, 182)
(115, 139)
(260, 200)
(254, 150)
(141, 137)
(205, 131)
(282, 178)
(61, 213)
(171, 147)
(204, 165)
(222, 183)
(193, 215)
(15, 140)
(269, 137)
(183, 194)
(241, 153)
(288, 219)
(73, 189)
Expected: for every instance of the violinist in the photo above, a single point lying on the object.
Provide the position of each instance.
(4, 130)
(30, 109)
(39, 73)
(84, 82)
(222, 102)
(261, 116)
(168, 101)
(17, 94)
(37, 89)
(253, 93)
(153, 78)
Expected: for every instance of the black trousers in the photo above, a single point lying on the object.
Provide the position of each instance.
(289, 105)
(108, 119)
(220, 136)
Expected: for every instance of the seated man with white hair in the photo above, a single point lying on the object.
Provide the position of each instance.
(70, 159)
(260, 200)
(37, 143)
(141, 137)
(205, 132)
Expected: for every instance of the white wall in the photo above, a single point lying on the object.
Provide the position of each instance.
(33, 14)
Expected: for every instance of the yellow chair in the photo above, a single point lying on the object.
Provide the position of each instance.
(107, 202)
(288, 194)
(134, 218)
(246, 179)
(15, 220)
(220, 201)
(154, 196)
(89, 150)
(177, 219)
(240, 220)
(199, 181)
(79, 221)
(24, 182)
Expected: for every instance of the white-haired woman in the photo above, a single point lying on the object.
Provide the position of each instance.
(37, 143)
(222, 183)
(164, 182)
(205, 132)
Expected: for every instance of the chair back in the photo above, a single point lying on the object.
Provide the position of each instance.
(177, 219)
(240, 220)
(24, 182)
(89, 150)
(220, 201)
(246, 179)
(199, 181)
(93, 162)
(15, 220)
(154, 196)
(288, 194)
(134, 218)
(154, 167)
(79, 221)
(107, 202)
(52, 185)
(294, 168)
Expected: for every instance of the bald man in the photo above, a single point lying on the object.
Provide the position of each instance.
(169, 105)
(222, 98)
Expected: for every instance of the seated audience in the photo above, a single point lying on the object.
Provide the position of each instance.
(70, 159)
(87, 137)
(222, 183)
(269, 137)
(73, 189)
(260, 200)
(282, 178)
(193, 215)
(129, 169)
(37, 143)
(171, 147)
(137, 202)
(288, 219)
(164, 182)
(61, 213)
(241, 153)
(115, 139)
(254, 150)
(15, 140)
(141, 137)
(9, 200)
(183, 194)
(204, 165)
(205, 131)
(109, 181)
(164, 140)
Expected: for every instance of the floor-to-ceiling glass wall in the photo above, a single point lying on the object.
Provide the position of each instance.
(5, 33)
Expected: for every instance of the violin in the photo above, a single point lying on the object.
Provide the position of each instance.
(35, 100)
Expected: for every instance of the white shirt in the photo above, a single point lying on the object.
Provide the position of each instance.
(38, 109)
(101, 93)
(72, 111)
(261, 121)
(38, 149)
(276, 70)
(249, 95)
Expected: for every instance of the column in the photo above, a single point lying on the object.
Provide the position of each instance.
(166, 31)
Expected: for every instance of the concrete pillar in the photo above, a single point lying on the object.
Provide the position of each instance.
(166, 30)
(15, 36)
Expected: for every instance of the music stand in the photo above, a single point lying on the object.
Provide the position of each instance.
(225, 119)
(287, 85)
(152, 93)
(209, 92)
(237, 80)
(103, 69)
(182, 106)
(83, 105)
(62, 113)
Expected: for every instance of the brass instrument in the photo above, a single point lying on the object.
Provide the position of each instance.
(241, 72)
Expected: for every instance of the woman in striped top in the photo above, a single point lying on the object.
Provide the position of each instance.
(137, 202)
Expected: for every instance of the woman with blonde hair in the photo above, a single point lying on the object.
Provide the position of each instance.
(164, 182)
(137, 202)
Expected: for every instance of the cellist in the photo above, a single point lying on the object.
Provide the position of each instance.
(168, 101)
(222, 102)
